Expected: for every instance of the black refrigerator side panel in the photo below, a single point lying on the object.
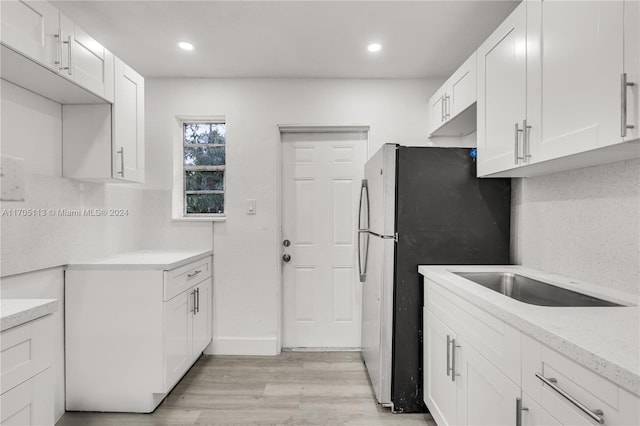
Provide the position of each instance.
(444, 216)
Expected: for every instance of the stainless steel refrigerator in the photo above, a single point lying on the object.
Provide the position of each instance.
(418, 205)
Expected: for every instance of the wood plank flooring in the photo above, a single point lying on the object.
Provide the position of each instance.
(294, 388)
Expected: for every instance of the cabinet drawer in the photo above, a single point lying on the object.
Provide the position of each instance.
(30, 403)
(492, 337)
(180, 279)
(586, 387)
(25, 351)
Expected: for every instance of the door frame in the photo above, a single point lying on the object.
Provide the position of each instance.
(292, 128)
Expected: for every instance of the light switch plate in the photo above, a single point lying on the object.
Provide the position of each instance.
(12, 179)
(251, 206)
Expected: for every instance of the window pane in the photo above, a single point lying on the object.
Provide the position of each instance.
(205, 203)
(218, 133)
(204, 156)
(197, 133)
(204, 181)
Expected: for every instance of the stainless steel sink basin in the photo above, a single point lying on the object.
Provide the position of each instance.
(532, 291)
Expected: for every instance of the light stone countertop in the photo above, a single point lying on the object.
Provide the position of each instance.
(15, 312)
(142, 260)
(605, 340)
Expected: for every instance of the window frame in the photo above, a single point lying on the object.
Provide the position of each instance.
(179, 196)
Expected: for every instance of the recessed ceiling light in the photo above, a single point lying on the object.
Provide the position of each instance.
(185, 46)
(374, 47)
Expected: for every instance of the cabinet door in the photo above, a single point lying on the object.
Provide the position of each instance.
(31, 27)
(534, 415)
(462, 87)
(30, 403)
(581, 60)
(439, 388)
(632, 66)
(128, 124)
(485, 396)
(178, 336)
(436, 110)
(502, 81)
(85, 61)
(202, 318)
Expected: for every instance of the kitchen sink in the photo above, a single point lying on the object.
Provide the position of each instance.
(532, 291)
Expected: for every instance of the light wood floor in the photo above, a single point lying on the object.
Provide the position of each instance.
(294, 388)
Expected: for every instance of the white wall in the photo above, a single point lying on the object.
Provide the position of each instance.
(584, 224)
(246, 248)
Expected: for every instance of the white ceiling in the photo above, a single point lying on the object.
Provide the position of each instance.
(290, 38)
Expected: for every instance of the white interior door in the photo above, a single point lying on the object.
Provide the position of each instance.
(321, 176)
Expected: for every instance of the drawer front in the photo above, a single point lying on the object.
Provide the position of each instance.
(180, 279)
(30, 403)
(584, 386)
(25, 351)
(492, 337)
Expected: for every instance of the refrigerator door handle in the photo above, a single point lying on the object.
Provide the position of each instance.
(363, 229)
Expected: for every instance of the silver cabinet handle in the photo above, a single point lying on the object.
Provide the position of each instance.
(70, 48)
(624, 84)
(525, 141)
(197, 300)
(447, 107)
(121, 152)
(596, 415)
(453, 360)
(193, 274)
(58, 37)
(516, 151)
(519, 410)
(442, 109)
(448, 355)
(193, 294)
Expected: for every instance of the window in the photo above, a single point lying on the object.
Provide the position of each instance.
(204, 166)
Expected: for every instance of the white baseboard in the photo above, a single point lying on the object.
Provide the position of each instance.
(244, 346)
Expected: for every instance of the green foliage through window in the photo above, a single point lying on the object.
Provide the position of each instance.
(204, 167)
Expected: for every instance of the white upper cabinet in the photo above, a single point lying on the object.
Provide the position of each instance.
(551, 88)
(581, 63)
(43, 51)
(128, 124)
(85, 61)
(106, 142)
(451, 108)
(630, 119)
(502, 95)
(31, 27)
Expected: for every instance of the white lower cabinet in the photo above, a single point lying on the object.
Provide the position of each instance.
(478, 370)
(461, 386)
(26, 381)
(131, 334)
(571, 394)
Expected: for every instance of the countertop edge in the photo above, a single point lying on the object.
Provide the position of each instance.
(102, 264)
(46, 307)
(604, 367)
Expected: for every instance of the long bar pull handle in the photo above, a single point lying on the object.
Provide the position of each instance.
(448, 355)
(121, 152)
(624, 84)
(526, 148)
(516, 151)
(193, 274)
(193, 294)
(197, 300)
(519, 410)
(596, 415)
(447, 107)
(453, 360)
(69, 44)
(58, 37)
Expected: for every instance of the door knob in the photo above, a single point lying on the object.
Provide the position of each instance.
(286, 243)
(286, 257)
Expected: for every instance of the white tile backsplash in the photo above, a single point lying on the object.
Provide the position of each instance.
(584, 224)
